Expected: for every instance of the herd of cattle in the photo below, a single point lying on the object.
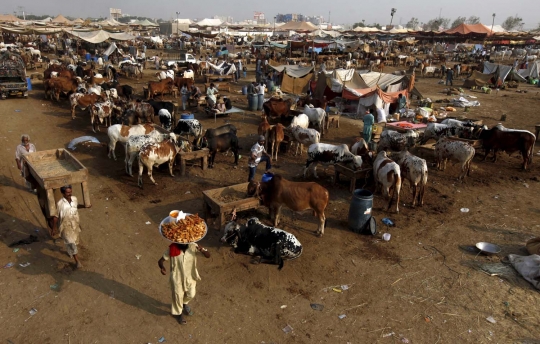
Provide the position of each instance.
(110, 102)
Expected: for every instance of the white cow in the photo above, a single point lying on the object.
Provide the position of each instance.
(327, 154)
(121, 133)
(316, 117)
(301, 120)
(388, 174)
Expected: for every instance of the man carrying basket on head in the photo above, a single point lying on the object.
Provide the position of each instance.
(184, 276)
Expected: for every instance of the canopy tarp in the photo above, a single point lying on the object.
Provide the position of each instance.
(60, 19)
(293, 71)
(110, 22)
(478, 79)
(78, 21)
(209, 22)
(466, 29)
(31, 30)
(99, 36)
(278, 45)
(503, 71)
(532, 70)
(144, 22)
(111, 49)
(330, 85)
(295, 85)
(298, 26)
(4, 18)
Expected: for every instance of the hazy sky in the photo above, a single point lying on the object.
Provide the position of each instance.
(342, 11)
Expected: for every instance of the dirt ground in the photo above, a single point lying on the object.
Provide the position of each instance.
(422, 286)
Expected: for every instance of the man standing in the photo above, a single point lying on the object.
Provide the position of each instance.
(258, 155)
(67, 222)
(369, 120)
(184, 91)
(449, 76)
(211, 93)
(24, 148)
(184, 276)
(402, 103)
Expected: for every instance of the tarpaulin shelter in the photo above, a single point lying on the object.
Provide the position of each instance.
(209, 22)
(532, 70)
(298, 27)
(478, 79)
(60, 19)
(503, 71)
(295, 85)
(330, 85)
(8, 18)
(293, 71)
(99, 36)
(469, 29)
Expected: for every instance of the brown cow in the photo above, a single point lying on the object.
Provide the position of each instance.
(294, 195)
(277, 107)
(52, 68)
(82, 101)
(276, 135)
(161, 87)
(264, 130)
(179, 82)
(508, 140)
(62, 85)
(142, 111)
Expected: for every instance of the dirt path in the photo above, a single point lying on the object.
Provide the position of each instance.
(420, 285)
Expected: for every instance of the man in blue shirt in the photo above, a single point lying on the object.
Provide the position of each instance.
(369, 120)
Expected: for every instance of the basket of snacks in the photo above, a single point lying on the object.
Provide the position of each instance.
(183, 228)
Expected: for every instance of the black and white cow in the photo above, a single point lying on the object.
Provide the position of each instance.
(394, 141)
(158, 105)
(188, 127)
(255, 238)
(327, 154)
(437, 130)
(165, 118)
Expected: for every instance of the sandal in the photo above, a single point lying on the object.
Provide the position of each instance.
(187, 310)
(181, 319)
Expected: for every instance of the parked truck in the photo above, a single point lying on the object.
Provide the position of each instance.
(12, 75)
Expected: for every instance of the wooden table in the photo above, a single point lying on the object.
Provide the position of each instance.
(187, 156)
(55, 168)
(353, 175)
(215, 202)
(216, 76)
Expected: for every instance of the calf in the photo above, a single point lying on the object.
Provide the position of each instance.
(388, 174)
(83, 101)
(415, 170)
(161, 87)
(327, 154)
(458, 151)
(275, 137)
(301, 120)
(99, 112)
(264, 130)
(255, 238)
(224, 129)
(296, 196)
(303, 136)
(121, 133)
(188, 127)
(135, 143)
(317, 117)
(221, 143)
(508, 140)
(155, 154)
(392, 140)
(277, 107)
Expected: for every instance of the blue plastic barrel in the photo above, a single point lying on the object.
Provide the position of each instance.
(360, 211)
(244, 89)
(267, 177)
(187, 116)
(260, 101)
(253, 102)
(88, 57)
(29, 84)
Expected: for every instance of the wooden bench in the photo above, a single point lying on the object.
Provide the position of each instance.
(215, 76)
(218, 203)
(221, 86)
(188, 156)
(354, 175)
(332, 119)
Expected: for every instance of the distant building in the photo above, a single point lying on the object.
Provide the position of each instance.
(290, 17)
(168, 28)
(224, 19)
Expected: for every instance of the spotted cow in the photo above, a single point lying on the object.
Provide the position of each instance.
(121, 133)
(415, 170)
(303, 136)
(135, 143)
(458, 151)
(255, 238)
(327, 154)
(156, 153)
(188, 127)
(394, 141)
(437, 130)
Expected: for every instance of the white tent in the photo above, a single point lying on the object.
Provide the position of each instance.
(209, 22)
(111, 49)
(533, 71)
(503, 71)
(99, 36)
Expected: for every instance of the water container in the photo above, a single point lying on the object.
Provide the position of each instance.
(253, 102)
(267, 177)
(260, 101)
(244, 89)
(360, 212)
(29, 84)
(187, 116)
(88, 57)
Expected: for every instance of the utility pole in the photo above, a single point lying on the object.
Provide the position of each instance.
(492, 23)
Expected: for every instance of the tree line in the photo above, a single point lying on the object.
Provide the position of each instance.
(510, 23)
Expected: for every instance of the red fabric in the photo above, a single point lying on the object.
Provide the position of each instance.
(174, 250)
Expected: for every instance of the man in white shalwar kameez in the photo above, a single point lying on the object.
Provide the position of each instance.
(67, 222)
(184, 276)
